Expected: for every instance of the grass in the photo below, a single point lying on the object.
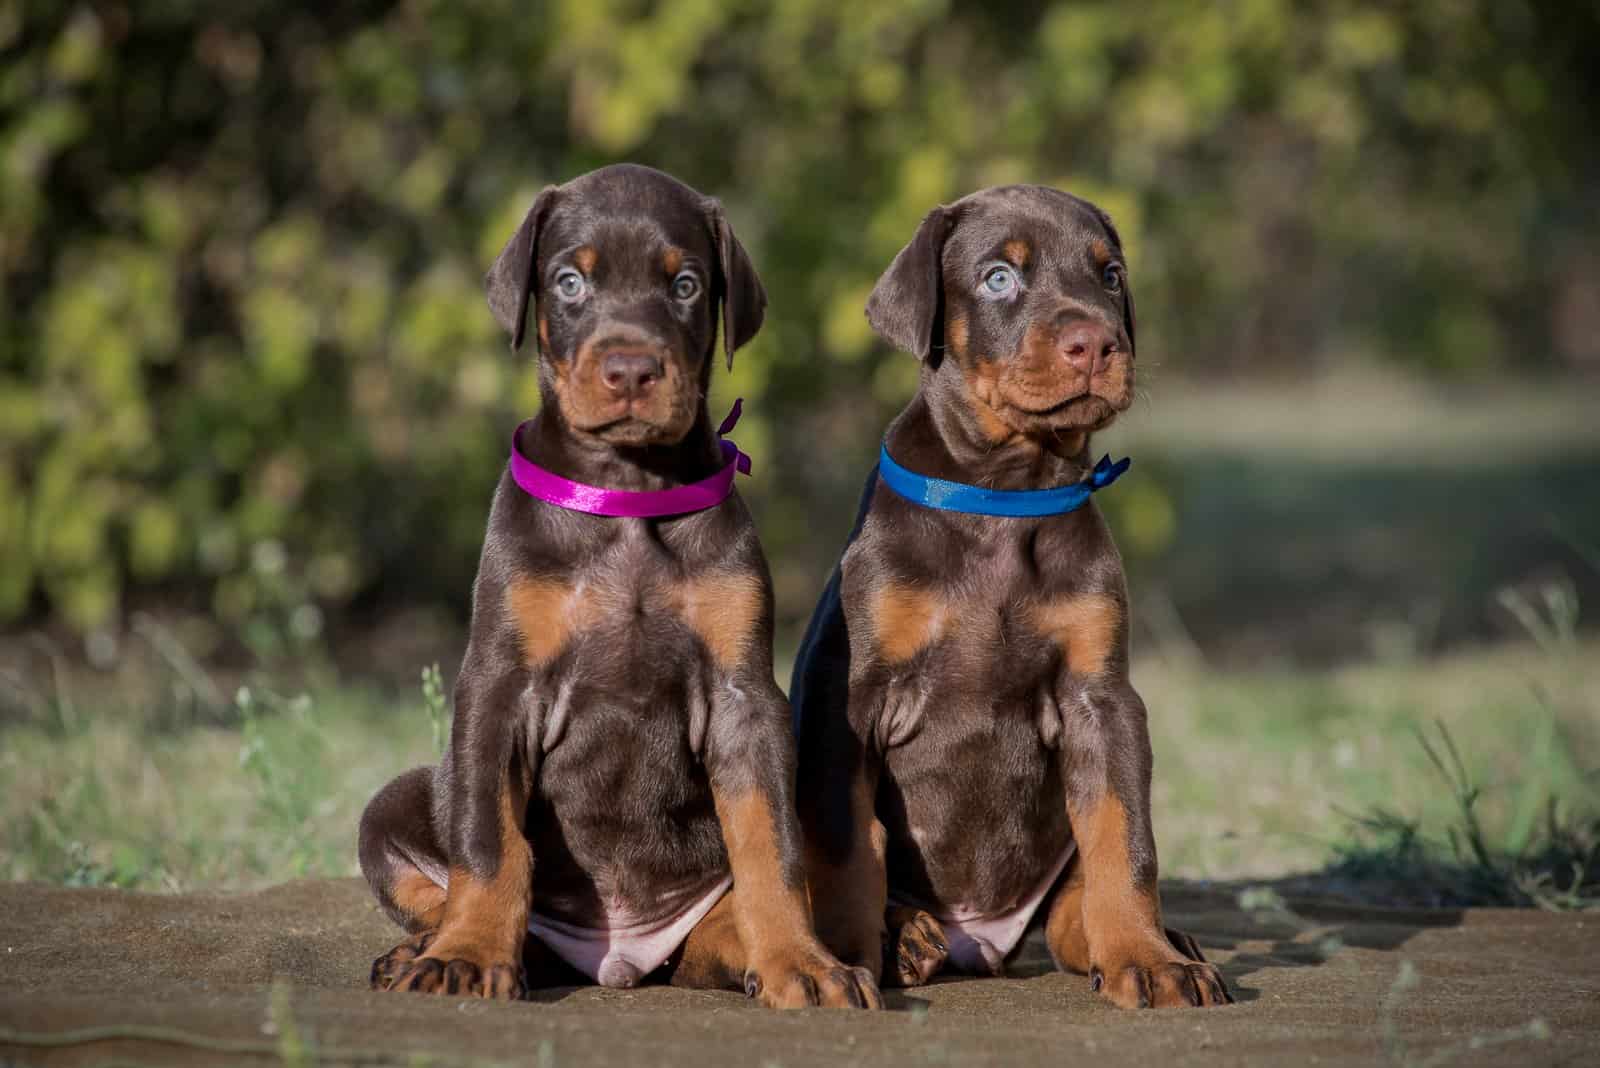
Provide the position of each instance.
(1457, 780)
(1440, 782)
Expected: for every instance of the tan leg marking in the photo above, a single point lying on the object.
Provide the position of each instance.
(787, 966)
(1063, 930)
(1128, 950)
(713, 955)
(485, 919)
(1116, 910)
(420, 898)
(477, 950)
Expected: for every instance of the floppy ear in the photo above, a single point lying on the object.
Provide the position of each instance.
(1127, 287)
(744, 299)
(904, 305)
(510, 281)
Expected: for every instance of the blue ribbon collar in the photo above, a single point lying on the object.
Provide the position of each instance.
(975, 500)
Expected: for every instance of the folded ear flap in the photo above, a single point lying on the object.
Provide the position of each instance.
(905, 304)
(510, 281)
(744, 299)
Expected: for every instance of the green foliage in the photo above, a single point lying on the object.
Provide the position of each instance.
(437, 706)
(243, 350)
(283, 749)
(1467, 865)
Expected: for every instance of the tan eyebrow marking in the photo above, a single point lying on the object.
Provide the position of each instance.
(586, 257)
(1018, 252)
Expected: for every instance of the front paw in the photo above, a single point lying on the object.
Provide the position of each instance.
(1162, 974)
(808, 977)
(389, 966)
(915, 947)
(459, 971)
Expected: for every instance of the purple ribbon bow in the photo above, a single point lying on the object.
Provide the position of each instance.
(634, 504)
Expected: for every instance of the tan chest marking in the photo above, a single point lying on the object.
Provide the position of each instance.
(1085, 626)
(723, 609)
(906, 620)
(547, 612)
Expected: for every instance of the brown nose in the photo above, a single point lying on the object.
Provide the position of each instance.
(1087, 346)
(630, 374)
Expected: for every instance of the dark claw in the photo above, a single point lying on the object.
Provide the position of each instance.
(752, 984)
(868, 988)
(461, 977)
(813, 997)
(1191, 989)
(1097, 979)
(424, 975)
(852, 993)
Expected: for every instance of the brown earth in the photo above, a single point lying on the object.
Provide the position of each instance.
(98, 976)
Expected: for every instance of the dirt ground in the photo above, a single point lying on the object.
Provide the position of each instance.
(101, 976)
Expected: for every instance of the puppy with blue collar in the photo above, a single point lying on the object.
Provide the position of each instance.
(973, 759)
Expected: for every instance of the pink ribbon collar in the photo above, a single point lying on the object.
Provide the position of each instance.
(634, 504)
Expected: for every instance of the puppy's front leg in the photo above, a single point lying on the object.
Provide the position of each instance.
(478, 947)
(1110, 905)
(750, 756)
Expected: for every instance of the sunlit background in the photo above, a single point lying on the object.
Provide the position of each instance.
(252, 403)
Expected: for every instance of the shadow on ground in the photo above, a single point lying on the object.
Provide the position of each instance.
(98, 975)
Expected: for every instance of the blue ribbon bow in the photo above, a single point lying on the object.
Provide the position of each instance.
(959, 497)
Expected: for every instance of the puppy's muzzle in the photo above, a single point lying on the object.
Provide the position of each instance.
(1087, 346)
(630, 373)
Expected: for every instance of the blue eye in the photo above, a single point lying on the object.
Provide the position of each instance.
(686, 286)
(998, 281)
(569, 283)
(1112, 277)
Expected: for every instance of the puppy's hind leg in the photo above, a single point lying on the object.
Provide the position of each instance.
(398, 848)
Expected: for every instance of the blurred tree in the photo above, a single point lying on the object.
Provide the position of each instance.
(244, 360)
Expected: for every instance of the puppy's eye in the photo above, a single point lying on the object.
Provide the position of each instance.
(998, 281)
(570, 283)
(1112, 277)
(686, 286)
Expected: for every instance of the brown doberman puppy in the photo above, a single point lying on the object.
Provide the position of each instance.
(971, 752)
(620, 754)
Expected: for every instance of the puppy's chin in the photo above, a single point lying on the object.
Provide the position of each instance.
(1084, 413)
(634, 433)
(632, 426)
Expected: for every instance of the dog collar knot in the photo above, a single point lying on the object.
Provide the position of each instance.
(975, 500)
(551, 488)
